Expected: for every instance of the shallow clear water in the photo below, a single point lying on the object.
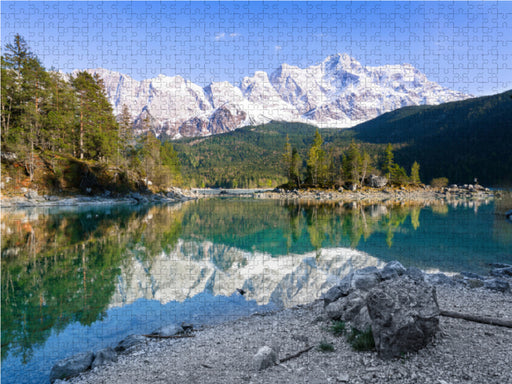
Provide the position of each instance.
(77, 279)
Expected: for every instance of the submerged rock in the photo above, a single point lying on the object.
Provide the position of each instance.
(71, 366)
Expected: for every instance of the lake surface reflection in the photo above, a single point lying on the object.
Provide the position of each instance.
(76, 279)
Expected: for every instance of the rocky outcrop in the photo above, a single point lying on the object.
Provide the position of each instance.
(399, 304)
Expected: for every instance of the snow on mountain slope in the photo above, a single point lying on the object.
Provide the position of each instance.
(338, 92)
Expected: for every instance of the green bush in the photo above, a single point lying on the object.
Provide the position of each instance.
(439, 182)
(338, 328)
(361, 341)
(326, 347)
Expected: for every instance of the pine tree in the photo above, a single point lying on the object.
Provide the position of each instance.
(171, 163)
(287, 159)
(352, 164)
(388, 162)
(316, 166)
(97, 134)
(415, 173)
(125, 133)
(295, 168)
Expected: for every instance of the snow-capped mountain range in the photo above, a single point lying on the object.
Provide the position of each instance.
(339, 92)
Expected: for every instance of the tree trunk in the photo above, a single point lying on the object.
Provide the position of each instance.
(478, 319)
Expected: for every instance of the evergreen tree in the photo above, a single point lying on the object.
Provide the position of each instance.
(171, 163)
(316, 165)
(365, 166)
(352, 164)
(388, 162)
(287, 159)
(125, 133)
(97, 129)
(295, 168)
(415, 173)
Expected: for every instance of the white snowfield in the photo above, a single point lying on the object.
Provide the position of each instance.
(339, 93)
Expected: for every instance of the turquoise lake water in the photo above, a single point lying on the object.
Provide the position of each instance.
(78, 279)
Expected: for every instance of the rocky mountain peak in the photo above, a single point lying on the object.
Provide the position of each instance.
(338, 92)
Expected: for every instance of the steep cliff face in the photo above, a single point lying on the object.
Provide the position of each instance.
(338, 92)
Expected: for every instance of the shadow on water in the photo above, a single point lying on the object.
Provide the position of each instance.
(67, 268)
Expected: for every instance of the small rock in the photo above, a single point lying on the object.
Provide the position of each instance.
(71, 366)
(346, 308)
(497, 285)
(438, 279)
(168, 330)
(365, 278)
(392, 269)
(266, 357)
(472, 275)
(502, 272)
(104, 356)
(415, 274)
(31, 194)
(129, 342)
(342, 378)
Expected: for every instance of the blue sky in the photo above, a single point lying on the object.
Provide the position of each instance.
(465, 46)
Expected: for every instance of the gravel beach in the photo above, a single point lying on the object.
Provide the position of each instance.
(462, 352)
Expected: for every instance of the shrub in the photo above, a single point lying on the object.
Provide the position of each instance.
(439, 182)
(326, 347)
(338, 328)
(361, 341)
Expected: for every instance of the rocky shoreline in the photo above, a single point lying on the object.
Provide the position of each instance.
(32, 199)
(418, 195)
(386, 195)
(287, 346)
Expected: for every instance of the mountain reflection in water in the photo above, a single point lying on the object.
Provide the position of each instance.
(66, 266)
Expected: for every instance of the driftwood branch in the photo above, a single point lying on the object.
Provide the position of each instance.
(296, 354)
(478, 319)
(168, 337)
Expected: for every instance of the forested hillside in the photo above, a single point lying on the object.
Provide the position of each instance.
(59, 134)
(460, 140)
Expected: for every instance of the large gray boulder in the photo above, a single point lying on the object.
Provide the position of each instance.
(377, 181)
(71, 366)
(404, 316)
(104, 356)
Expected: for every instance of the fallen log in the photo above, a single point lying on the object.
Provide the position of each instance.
(478, 319)
(168, 337)
(296, 354)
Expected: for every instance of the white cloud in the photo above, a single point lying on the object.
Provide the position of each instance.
(220, 36)
(234, 34)
(278, 47)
